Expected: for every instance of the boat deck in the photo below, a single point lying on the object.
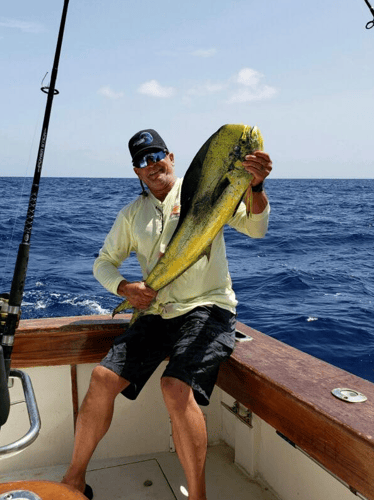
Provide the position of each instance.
(268, 396)
(158, 477)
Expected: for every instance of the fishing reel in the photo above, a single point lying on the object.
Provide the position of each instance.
(4, 311)
(4, 390)
(6, 381)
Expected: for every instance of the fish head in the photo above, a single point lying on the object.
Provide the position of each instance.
(227, 150)
(218, 165)
(249, 140)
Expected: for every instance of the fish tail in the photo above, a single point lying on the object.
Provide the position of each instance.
(122, 307)
(135, 315)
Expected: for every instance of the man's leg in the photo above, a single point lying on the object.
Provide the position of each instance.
(94, 419)
(189, 433)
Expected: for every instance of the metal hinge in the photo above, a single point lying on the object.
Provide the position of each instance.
(240, 412)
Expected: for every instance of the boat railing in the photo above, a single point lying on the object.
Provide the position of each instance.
(33, 412)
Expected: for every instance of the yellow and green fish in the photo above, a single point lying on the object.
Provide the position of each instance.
(212, 189)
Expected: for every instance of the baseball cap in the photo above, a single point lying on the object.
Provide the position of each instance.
(145, 140)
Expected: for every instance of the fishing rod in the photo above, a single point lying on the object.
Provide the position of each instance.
(370, 24)
(11, 303)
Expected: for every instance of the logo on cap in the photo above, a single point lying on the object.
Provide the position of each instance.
(144, 138)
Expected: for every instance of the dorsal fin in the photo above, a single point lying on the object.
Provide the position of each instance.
(191, 181)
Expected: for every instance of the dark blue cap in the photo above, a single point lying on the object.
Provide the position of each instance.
(146, 140)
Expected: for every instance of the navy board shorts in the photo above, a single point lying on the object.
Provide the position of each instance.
(196, 343)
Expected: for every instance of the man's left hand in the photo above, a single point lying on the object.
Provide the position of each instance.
(259, 164)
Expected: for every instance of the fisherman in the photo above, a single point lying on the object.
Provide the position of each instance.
(192, 320)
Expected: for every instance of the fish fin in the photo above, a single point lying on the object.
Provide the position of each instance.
(220, 188)
(248, 200)
(191, 180)
(125, 304)
(208, 251)
(205, 253)
(135, 315)
(238, 205)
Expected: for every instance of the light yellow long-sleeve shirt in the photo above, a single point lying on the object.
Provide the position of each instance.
(146, 227)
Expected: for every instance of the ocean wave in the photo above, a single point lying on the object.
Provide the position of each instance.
(39, 303)
(309, 282)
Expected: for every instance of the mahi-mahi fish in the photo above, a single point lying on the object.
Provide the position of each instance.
(212, 189)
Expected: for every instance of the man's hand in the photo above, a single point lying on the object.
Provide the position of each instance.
(137, 293)
(259, 164)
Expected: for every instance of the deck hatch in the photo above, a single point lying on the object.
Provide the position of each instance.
(131, 481)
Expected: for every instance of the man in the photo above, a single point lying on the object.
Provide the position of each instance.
(192, 320)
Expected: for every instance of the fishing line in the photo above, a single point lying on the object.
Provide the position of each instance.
(22, 191)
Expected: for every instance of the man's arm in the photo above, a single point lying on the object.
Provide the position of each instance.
(117, 248)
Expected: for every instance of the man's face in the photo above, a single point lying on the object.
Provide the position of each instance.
(159, 177)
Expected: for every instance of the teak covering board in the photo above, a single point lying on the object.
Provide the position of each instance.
(288, 389)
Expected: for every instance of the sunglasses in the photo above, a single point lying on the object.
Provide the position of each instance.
(154, 157)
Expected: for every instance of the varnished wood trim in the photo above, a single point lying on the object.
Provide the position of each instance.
(288, 389)
(291, 391)
(65, 341)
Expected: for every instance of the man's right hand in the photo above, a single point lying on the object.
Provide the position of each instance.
(137, 293)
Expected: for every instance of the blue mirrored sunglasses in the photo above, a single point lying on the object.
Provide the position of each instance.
(154, 157)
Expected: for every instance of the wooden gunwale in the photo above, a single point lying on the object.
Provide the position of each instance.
(288, 389)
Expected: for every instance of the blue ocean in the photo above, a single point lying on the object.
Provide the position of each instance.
(308, 283)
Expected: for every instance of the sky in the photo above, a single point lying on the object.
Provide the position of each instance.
(301, 71)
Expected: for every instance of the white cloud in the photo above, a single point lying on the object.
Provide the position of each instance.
(110, 93)
(24, 26)
(256, 94)
(204, 52)
(154, 89)
(248, 77)
(244, 86)
(249, 87)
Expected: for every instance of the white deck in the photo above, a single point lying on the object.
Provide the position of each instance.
(124, 478)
